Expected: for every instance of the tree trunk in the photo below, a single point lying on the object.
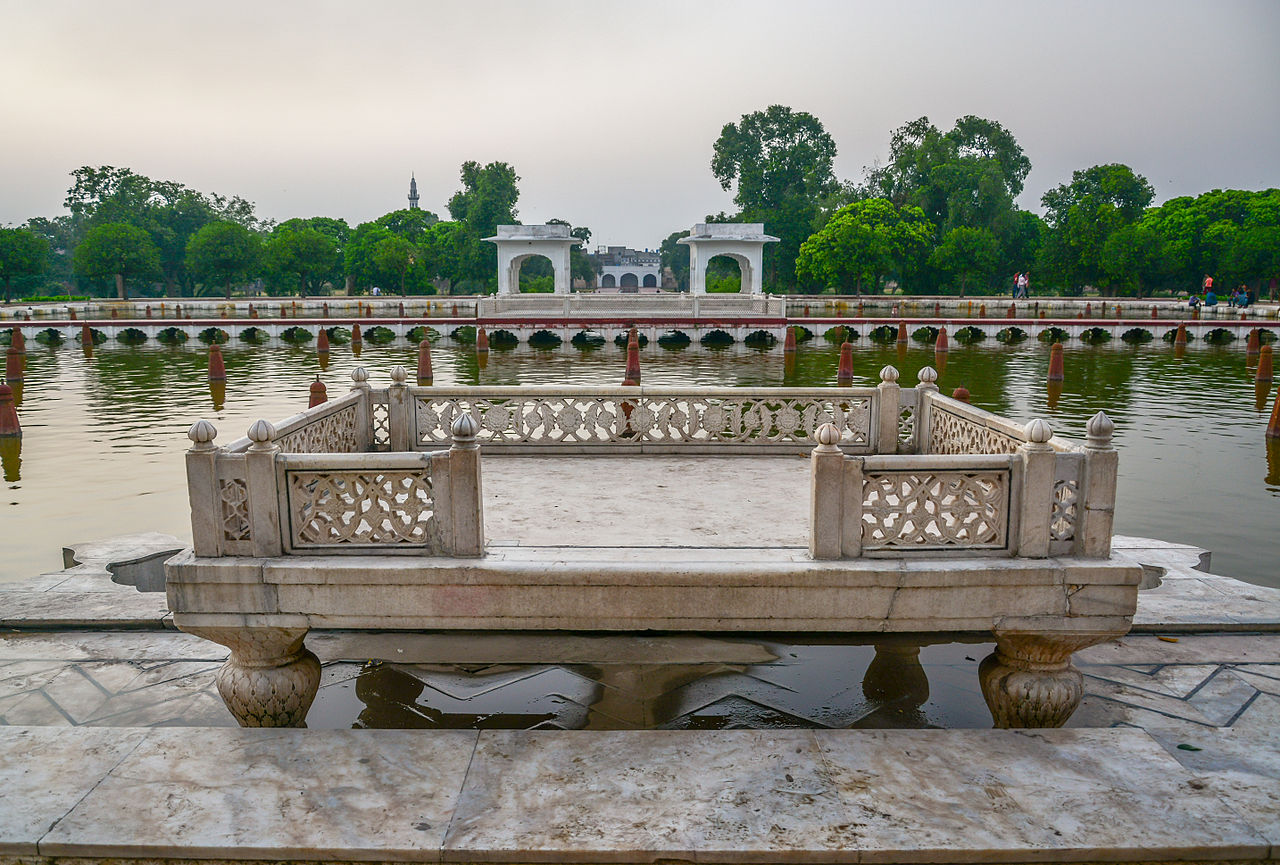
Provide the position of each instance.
(228, 289)
(8, 296)
(302, 287)
(121, 290)
(962, 285)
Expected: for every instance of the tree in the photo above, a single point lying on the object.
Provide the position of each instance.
(1083, 214)
(1133, 257)
(967, 254)
(409, 224)
(115, 249)
(170, 212)
(966, 176)
(779, 163)
(304, 252)
(487, 198)
(395, 255)
(861, 243)
(223, 253)
(23, 253)
(675, 257)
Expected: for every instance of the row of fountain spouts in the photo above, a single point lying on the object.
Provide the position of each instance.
(15, 362)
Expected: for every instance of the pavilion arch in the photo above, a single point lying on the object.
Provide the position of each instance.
(629, 280)
(608, 281)
(517, 243)
(743, 242)
(649, 281)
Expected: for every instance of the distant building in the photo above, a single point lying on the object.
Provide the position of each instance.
(413, 192)
(627, 269)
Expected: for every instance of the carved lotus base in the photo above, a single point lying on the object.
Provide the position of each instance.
(271, 678)
(1029, 681)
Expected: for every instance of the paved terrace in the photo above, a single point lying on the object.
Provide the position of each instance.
(1174, 754)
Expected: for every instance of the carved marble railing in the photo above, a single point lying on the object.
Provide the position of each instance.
(631, 305)
(340, 426)
(630, 419)
(976, 485)
(264, 500)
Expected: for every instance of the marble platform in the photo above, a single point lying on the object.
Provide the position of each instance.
(114, 744)
(729, 796)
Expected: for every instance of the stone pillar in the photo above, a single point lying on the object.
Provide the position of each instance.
(202, 489)
(400, 411)
(697, 271)
(1101, 460)
(466, 496)
(1029, 680)
(264, 499)
(888, 410)
(925, 392)
(561, 272)
(271, 678)
(1037, 491)
(826, 495)
(364, 411)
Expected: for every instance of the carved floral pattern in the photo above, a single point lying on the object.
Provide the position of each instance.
(1062, 521)
(380, 425)
(935, 510)
(361, 508)
(652, 419)
(234, 495)
(331, 434)
(954, 434)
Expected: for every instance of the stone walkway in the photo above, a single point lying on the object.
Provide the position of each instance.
(1174, 753)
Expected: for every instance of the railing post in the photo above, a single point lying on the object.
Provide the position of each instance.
(826, 495)
(466, 497)
(1037, 491)
(364, 411)
(1101, 460)
(260, 482)
(399, 412)
(889, 409)
(925, 392)
(202, 489)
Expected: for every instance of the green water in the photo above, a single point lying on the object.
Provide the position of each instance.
(104, 435)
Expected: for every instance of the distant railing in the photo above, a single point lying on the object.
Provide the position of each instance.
(633, 305)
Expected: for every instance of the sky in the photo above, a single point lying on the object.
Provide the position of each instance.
(609, 110)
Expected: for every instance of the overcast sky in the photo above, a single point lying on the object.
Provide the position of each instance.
(608, 110)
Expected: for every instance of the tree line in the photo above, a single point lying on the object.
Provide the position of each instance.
(124, 233)
(938, 216)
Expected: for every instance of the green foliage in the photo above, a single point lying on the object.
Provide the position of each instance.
(23, 254)
(301, 256)
(675, 255)
(863, 242)
(1229, 233)
(1082, 215)
(967, 254)
(780, 162)
(394, 255)
(222, 253)
(409, 224)
(487, 198)
(114, 249)
(169, 212)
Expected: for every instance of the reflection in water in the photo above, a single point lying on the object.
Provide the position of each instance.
(218, 394)
(16, 386)
(112, 428)
(11, 457)
(323, 358)
(1261, 390)
(1273, 461)
(1054, 392)
(833, 684)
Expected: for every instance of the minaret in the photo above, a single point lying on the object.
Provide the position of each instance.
(413, 192)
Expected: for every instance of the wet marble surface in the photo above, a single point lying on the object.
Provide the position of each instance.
(272, 794)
